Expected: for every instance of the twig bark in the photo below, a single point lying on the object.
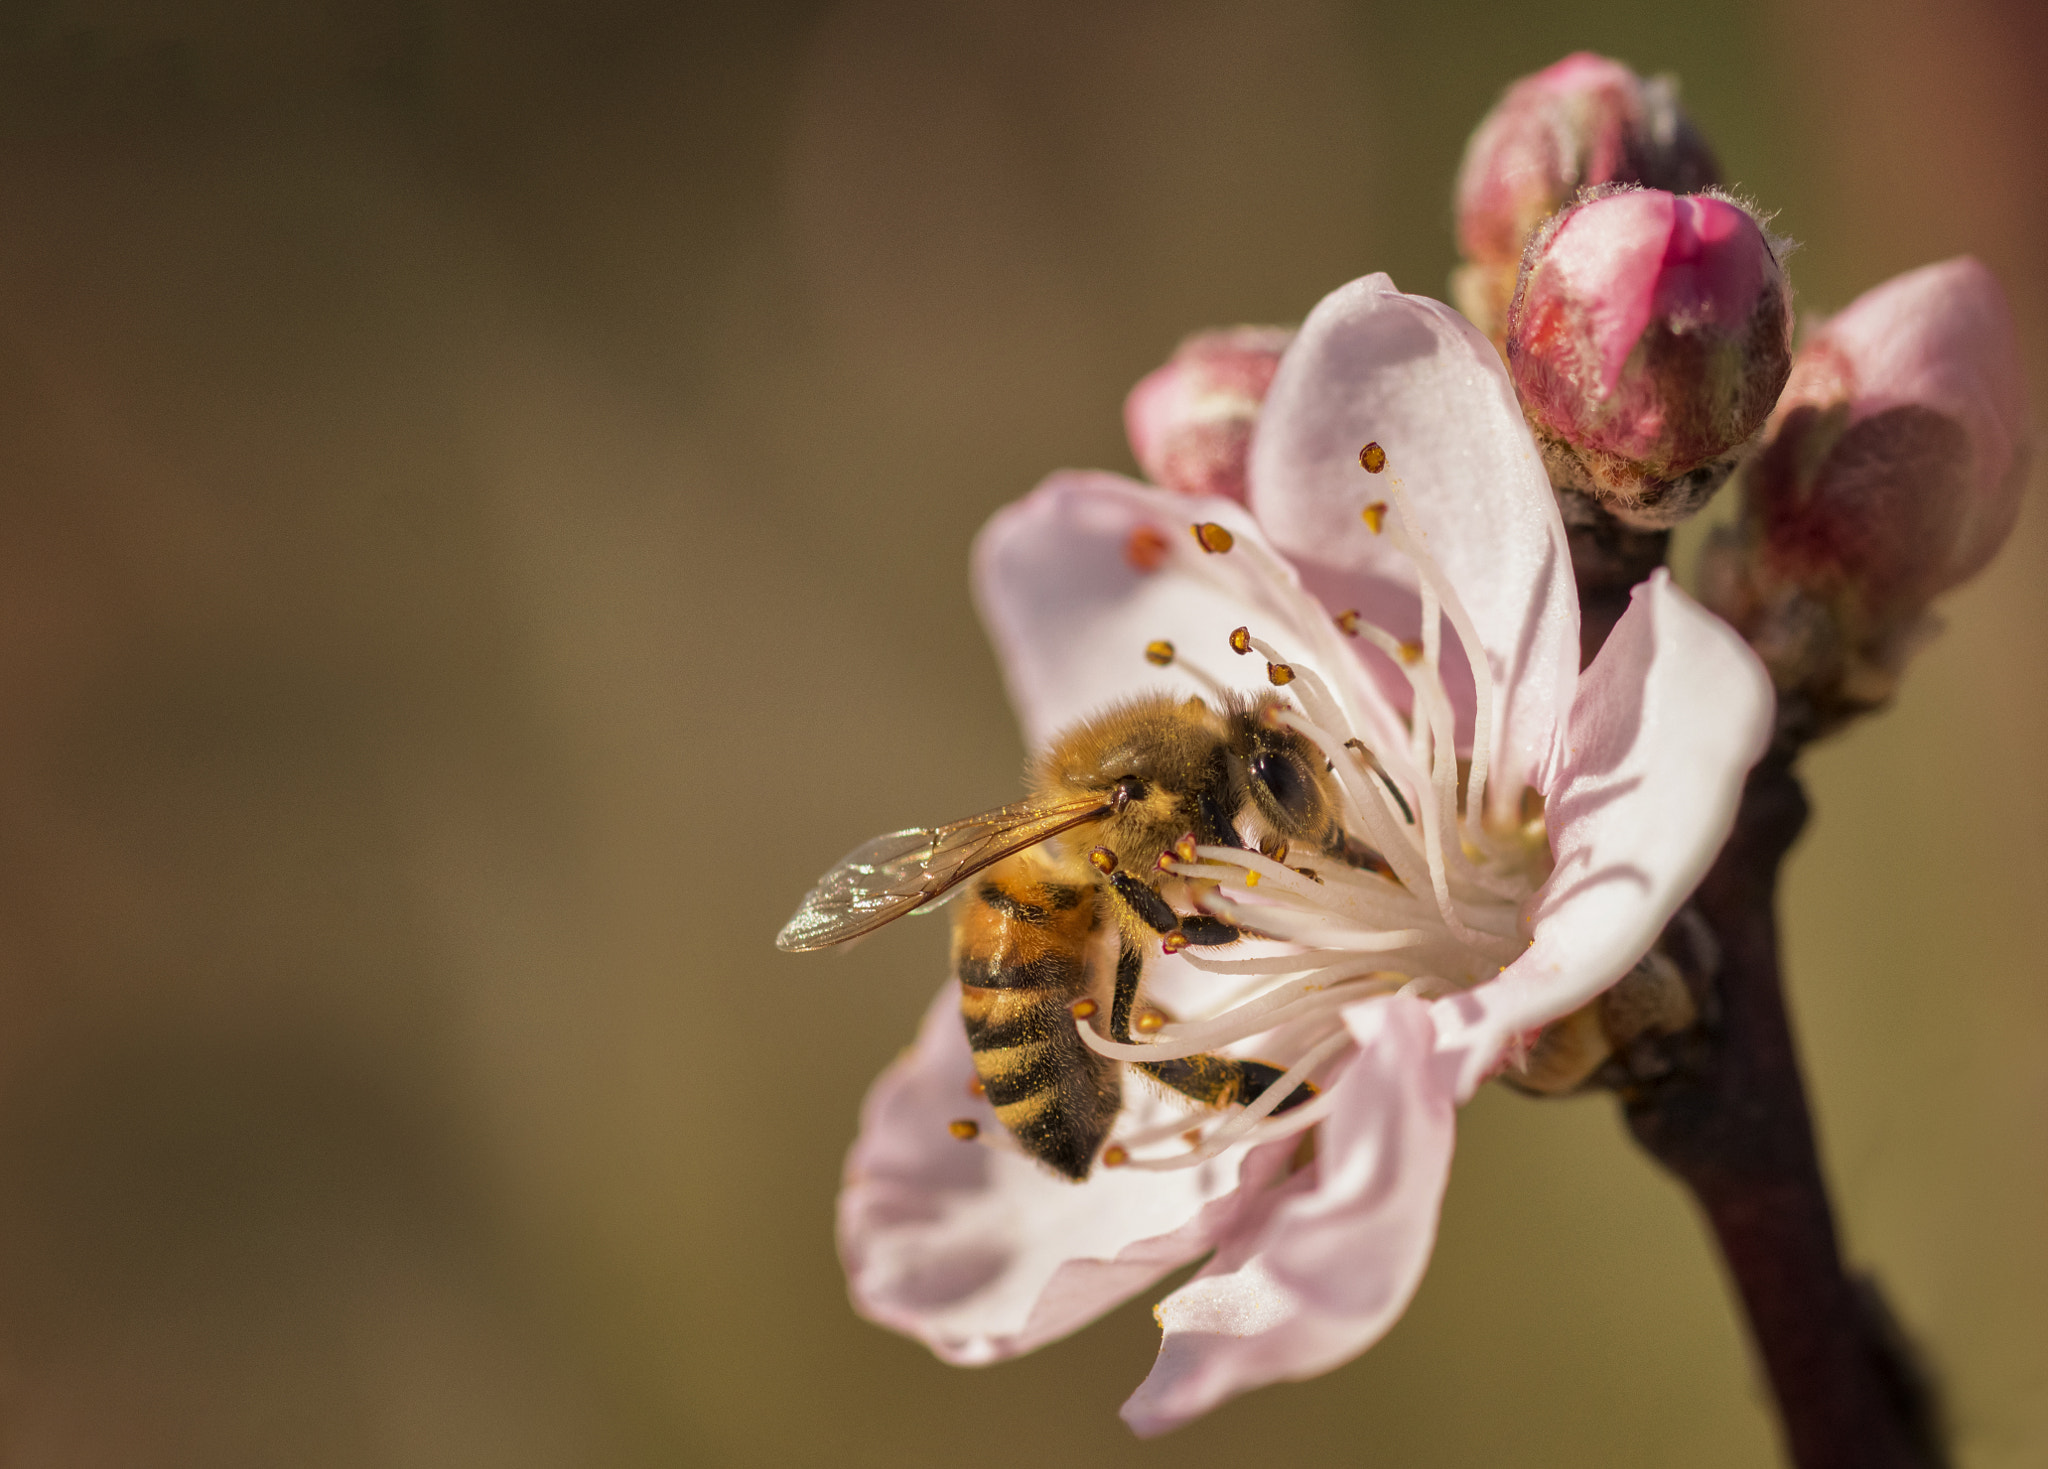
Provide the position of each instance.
(1731, 1121)
(1723, 1107)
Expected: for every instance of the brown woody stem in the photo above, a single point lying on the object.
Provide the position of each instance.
(1724, 1109)
(1732, 1123)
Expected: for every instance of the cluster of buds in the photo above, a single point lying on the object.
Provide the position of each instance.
(1891, 473)
(1583, 122)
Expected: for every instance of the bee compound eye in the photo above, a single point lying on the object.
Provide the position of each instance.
(1285, 782)
(1125, 791)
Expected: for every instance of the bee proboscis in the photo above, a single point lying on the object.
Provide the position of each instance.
(1053, 875)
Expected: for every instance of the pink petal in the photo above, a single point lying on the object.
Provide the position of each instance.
(1325, 1265)
(1410, 374)
(1943, 337)
(980, 1253)
(1667, 723)
(1078, 577)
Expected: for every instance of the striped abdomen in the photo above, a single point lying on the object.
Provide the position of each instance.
(1021, 946)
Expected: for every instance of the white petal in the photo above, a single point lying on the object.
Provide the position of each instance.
(1668, 721)
(1071, 614)
(1410, 374)
(1326, 1264)
(981, 1253)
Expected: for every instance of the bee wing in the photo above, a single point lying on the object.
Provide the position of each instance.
(882, 880)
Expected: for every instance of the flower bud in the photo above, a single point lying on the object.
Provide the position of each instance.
(1892, 473)
(1190, 422)
(1585, 120)
(1649, 337)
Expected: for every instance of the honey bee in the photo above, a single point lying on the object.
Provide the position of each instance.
(1031, 940)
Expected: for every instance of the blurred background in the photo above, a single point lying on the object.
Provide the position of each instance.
(486, 492)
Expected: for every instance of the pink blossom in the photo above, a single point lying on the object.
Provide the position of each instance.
(1650, 336)
(1427, 613)
(1190, 422)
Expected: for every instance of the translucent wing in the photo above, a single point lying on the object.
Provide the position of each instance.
(892, 875)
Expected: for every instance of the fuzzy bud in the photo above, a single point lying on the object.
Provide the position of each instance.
(1649, 338)
(1584, 121)
(1190, 422)
(1891, 474)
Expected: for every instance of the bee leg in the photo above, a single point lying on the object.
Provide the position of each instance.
(1204, 930)
(1152, 909)
(1214, 1081)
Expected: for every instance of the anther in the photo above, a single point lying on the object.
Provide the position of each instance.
(1146, 548)
(964, 1128)
(1159, 652)
(1192, 1137)
(975, 1088)
(1347, 622)
(1185, 847)
(1213, 538)
(1374, 516)
(1280, 674)
(1148, 1022)
(1241, 640)
(1173, 943)
(1102, 860)
(1082, 1009)
(1276, 850)
(1411, 652)
(1311, 874)
(1372, 458)
(1115, 1156)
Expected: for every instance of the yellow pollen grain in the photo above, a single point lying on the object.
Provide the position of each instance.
(1372, 458)
(1213, 538)
(964, 1128)
(1159, 653)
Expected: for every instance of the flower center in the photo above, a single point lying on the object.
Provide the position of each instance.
(1442, 913)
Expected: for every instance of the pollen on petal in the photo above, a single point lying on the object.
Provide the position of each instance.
(1146, 548)
(964, 1128)
(1374, 516)
(1159, 652)
(1213, 538)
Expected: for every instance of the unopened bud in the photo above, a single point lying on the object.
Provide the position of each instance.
(1891, 473)
(1585, 120)
(1190, 422)
(1649, 337)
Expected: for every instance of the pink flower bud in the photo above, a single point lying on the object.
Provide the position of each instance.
(1585, 120)
(1649, 338)
(1892, 473)
(1190, 422)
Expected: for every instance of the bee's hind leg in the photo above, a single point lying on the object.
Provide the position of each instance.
(1214, 1081)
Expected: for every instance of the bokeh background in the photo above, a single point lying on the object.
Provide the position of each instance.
(486, 491)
